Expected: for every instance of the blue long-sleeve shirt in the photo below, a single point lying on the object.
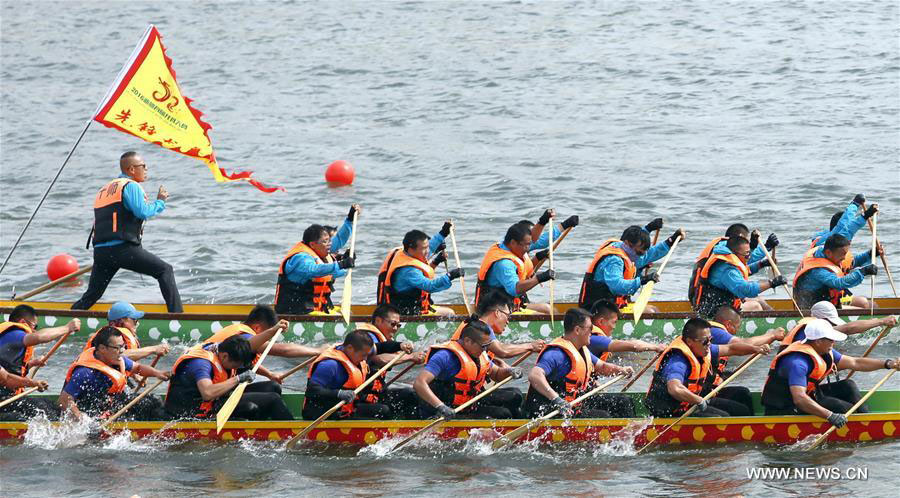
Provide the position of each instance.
(134, 199)
(408, 277)
(817, 278)
(342, 236)
(726, 276)
(757, 256)
(543, 241)
(611, 269)
(503, 274)
(850, 223)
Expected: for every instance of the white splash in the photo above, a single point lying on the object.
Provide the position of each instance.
(622, 441)
(68, 433)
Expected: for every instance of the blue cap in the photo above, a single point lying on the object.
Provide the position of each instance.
(121, 309)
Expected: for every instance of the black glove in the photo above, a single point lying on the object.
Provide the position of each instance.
(456, 273)
(445, 230)
(439, 259)
(754, 240)
(346, 395)
(654, 276)
(542, 254)
(772, 242)
(545, 218)
(446, 412)
(869, 270)
(247, 376)
(546, 275)
(350, 214)
(777, 281)
(656, 224)
(347, 261)
(860, 199)
(870, 211)
(515, 372)
(571, 222)
(837, 419)
(764, 263)
(564, 407)
(678, 233)
(703, 405)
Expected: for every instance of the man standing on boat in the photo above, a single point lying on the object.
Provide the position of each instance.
(306, 274)
(794, 384)
(683, 370)
(407, 280)
(564, 369)
(120, 209)
(506, 267)
(613, 273)
(18, 337)
(725, 278)
(826, 273)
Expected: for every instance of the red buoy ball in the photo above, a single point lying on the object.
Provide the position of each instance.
(340, 173)
(61, 265)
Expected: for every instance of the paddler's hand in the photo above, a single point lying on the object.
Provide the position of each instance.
(680, 233)
(74, 325)
(869, 270)
(439, 259)
(456, 273)
(777, 334)
(545, 218)
(627, 371)
(702, 405)
(163, 194)
(163, 374)
(754, 239)
(546, 275)
(161, 349)
(276, 378)
(889, 321)
(772, 242)
(872, 209)
(537, 346)
(570, 222)
(564, 407)
(763, 349)
(407, 347)
(36, 362)
(653, 275)
(40, 384)
(445, 411)
(246, 376)
(656, 224)
(515, 372)
(859, 200)
(417, 358)
(777, 281)
(837, 419)
(347, 261)
(354, 208)
(543, 254)
(445, 230)
(346, 395)
(656, 348)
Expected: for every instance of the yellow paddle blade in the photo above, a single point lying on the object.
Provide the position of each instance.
(511, 436)
(642, 300)
(225, 412)
(345, 298)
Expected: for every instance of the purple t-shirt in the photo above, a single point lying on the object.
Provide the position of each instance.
(12, 344)
(720, 336)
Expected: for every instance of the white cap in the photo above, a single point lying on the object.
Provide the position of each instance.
(821, 329)
(826, 311)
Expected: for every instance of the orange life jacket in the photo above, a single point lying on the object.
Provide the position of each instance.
(791, 336)
(710, 297)
(220, 374)
(776, 391)
(314, 295)
(467, 383)
(576, 380)
(458, 333)
(131, 340)
(719, 367)
(112, 220)
(493, 255)
(595, 330)
(413, 301)
(696, 379)
(805, 298)
(7, 361)
(592, 290)
(229, 331)
(846, 263)
(356, 374)
(117, 375)
(694, 282)
(372, 394)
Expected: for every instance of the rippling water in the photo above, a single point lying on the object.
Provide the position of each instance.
(770, 113)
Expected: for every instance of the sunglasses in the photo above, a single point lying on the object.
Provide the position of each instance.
(485, 346)
(706, 341)
(120, 347)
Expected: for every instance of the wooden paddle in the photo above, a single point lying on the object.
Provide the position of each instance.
(883, 333)
(227, 409)
(49, 353)
(152, 364)
(644, 297)
(458, 409)
(401, 374)
(462, 280)
(52, 284)
(22, 394)
(777, 273)
(705, 398)
(299, 367)
(347, 293)
(552, 281)
(884, 262)
(555, 245)
(874, 247)
(641, 371)
(511, 436)
(131, 403)
(854, 408)
(293, 441)
(521, 358)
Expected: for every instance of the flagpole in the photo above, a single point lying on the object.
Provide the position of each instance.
(46, 193)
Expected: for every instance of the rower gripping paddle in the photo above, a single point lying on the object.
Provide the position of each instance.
(641, 303)
(854, 408)
(347, 292)
(227, 409)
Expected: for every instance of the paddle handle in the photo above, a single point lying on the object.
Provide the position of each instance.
(17, 396)
(299, 367)
(265, 352)
(152, 365)
(522, 358)
(777, 273)
(655, 240)
(555, 245)
(668, 255)
(883, 259)
(49, 353)
(883, 333)
(52, 284)
(705, 398)
(855, 407)
(642, 370)
(874, 221)
(553, 281)
(462, 280)
(401, 374)
(131, 403)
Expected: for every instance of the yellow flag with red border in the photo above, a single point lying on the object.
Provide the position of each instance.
(146, 101)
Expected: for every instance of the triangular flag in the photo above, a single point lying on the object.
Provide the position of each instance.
(146, 101)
